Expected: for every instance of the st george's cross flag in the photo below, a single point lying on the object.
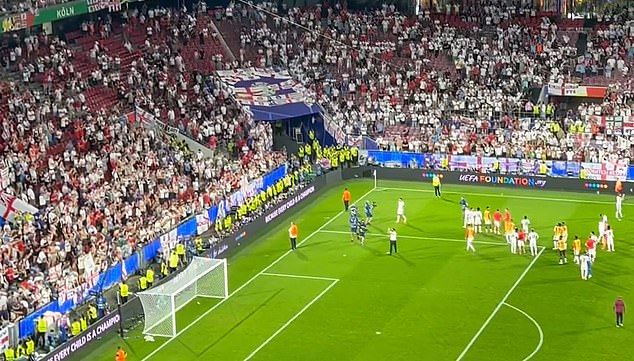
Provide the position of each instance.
(10, 204)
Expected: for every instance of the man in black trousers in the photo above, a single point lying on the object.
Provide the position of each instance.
(393, 236)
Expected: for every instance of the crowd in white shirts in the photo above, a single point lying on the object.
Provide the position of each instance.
(105, 184)
(457, 81)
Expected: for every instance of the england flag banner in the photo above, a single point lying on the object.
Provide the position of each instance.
(10, 204)
(269, 94)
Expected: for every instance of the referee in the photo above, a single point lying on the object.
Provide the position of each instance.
(435, 181)
(393, 236)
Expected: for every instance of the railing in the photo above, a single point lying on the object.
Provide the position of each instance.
(555, 168)
(197, 224)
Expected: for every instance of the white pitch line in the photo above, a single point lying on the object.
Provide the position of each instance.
(423, 238)
(299, 276)
(502, 302)
(248, 282)
(506, 196)
(539, 329)
(284, 326)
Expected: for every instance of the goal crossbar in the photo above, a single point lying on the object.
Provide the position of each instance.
(203, 277)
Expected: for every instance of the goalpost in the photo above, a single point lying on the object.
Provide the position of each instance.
(203, 277)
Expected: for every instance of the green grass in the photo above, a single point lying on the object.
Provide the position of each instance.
(427, 303)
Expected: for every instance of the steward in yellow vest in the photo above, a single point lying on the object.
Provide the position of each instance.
(30, 347)
(9, 354)
(142, 283)
(92, 314)
(173, 261)
(75, 328)
(149, 275)
(123, 292)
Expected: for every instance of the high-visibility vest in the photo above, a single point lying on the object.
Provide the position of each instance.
(123, 290)
(30, 347)
(9, 354)
(142, 283)
(149, 275)
(164, 270)
(83, 323)
(75, 328)
(173, 260)
(92, 312)
(180, 249)
(41, 325)
(20, 351)
(199, 244)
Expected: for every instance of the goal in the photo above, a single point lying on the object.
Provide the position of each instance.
(203, 277)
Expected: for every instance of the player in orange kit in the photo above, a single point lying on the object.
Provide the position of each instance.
(470, 236)
(497, 220)
(576, 249)
(487, 220)
(507, 217)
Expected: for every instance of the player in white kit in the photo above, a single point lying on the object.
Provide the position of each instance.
(584, 259)
(512, 239)
(477, 220)
(400, 211)
(532, 242)
(526, 224)
(603, 222)
(619, 206)
(468, 217)
(609, 235)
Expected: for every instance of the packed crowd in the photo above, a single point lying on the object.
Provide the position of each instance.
(21, 6)
(105, 184)
(456, 81)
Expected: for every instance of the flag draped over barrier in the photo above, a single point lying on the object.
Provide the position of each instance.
(269, 94)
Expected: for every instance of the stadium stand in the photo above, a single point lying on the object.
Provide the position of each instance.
(459, 80)
(455, 81)
(101, 179)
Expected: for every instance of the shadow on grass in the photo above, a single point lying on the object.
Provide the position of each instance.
(405, 260)
(314, 244)
(586, 331)
(372, 250)
(300, 254)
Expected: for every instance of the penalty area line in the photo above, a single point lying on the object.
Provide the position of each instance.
(499, 305)
(249, 281)
(299, 276)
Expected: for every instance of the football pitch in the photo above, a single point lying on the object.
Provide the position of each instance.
(334, 299)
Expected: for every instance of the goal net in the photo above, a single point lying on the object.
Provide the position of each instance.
(203, 277)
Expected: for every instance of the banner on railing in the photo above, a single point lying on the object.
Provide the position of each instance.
(576, 90)
(333, 129)
(593, 171)
(605, 171)
(202, 223)
(623, 125)
(4, 338)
